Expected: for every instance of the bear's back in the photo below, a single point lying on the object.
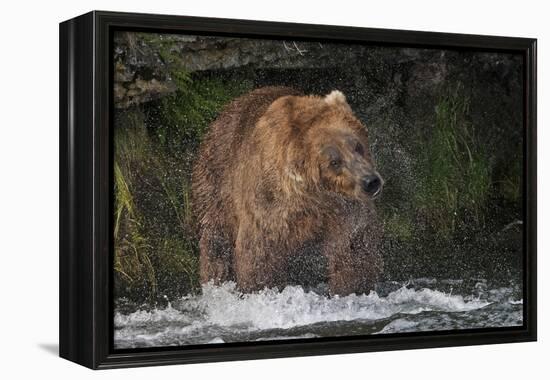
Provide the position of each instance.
(221, 144)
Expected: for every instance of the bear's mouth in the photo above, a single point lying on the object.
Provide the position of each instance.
(376, 193)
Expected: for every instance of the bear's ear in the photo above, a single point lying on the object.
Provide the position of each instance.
(336, 98)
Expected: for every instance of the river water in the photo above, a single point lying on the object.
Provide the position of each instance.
(221, 314)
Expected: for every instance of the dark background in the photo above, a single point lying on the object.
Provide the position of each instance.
(445, 127)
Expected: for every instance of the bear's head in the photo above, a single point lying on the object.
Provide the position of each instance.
(327, 147)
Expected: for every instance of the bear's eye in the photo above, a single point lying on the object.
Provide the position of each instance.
(335, 163)
(359, 149)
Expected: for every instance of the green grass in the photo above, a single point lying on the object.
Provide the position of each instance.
(456, 171)
(399, 225)
(147, 197)
(510, 183)
(452, 181)
(133, 250)
(185, 116)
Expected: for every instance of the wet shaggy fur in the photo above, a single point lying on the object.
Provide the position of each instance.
(277, 194)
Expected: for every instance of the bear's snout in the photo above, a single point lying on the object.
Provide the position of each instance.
(372, 184)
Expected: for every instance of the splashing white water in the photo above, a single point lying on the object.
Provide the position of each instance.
(270, 309)
(222, 314)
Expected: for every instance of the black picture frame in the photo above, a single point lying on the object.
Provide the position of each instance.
(86, 323)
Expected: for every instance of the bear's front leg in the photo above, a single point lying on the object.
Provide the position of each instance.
(215, 256)
(354, 264)
(257, 263)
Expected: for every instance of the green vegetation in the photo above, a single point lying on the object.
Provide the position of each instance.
(132, 250)
(454, 177)
(510, 184)
(399, 225)
(444, 215)
(456, 170)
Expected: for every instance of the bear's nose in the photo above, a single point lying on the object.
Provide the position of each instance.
(372, 184)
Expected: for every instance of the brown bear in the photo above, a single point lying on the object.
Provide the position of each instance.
(283, 190)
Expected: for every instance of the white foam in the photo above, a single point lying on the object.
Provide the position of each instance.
(144, 318)
(269, 309)
(226, 308)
